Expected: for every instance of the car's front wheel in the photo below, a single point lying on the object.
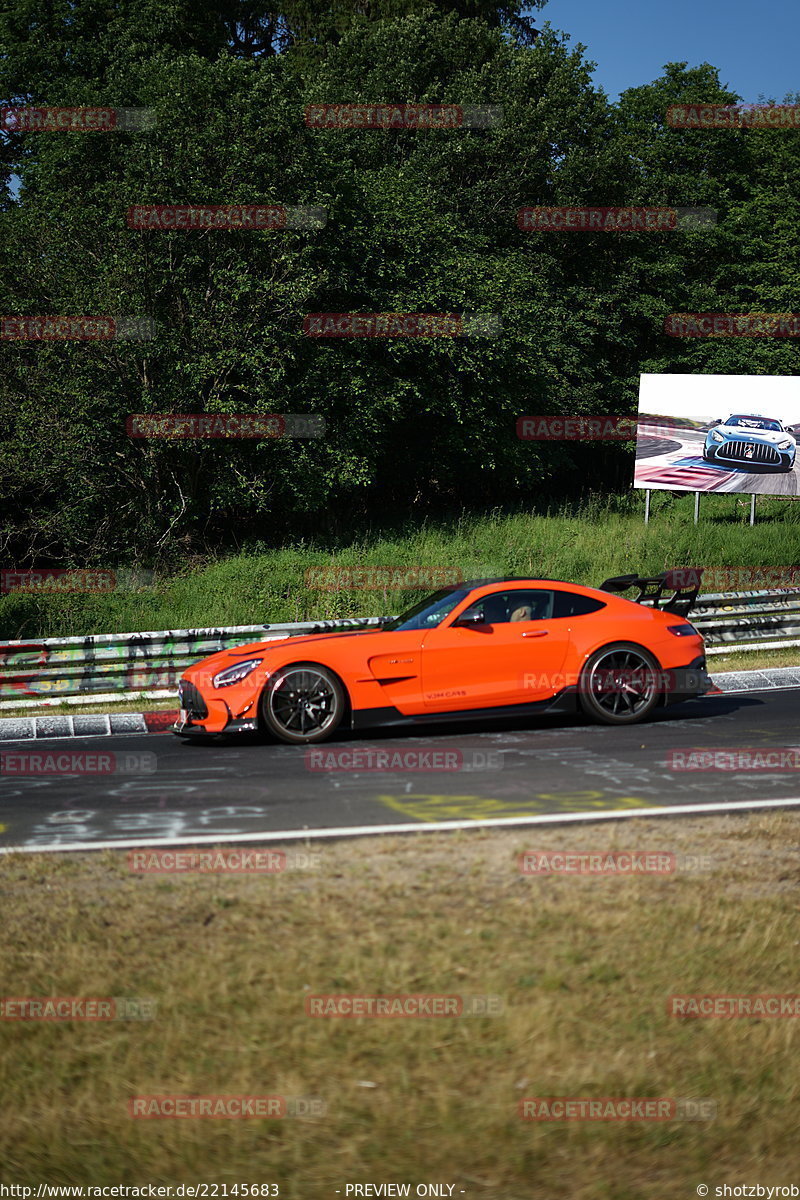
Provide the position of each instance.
(620, 684)
(304, 702)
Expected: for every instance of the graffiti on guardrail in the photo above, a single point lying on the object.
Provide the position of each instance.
(132, 662)
(101, 664)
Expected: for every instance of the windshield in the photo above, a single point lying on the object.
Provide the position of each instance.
(754, 423)
(428, 612)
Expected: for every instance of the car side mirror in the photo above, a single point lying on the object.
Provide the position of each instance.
(470, 618)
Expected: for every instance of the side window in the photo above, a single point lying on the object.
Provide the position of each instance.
(571, 604)
(531, 606)
(521, 605)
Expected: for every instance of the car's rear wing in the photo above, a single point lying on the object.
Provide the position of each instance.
(684, 584)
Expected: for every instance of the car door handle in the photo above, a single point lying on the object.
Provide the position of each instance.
(537, 633)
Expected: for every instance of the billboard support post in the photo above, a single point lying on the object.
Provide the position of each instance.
(647, 506)
(752, 508)
(696, 507)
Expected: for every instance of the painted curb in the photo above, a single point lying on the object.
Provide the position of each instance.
(18, 729)
(767, 679)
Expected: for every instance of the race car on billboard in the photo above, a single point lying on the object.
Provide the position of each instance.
(751, 441)
(494, 648)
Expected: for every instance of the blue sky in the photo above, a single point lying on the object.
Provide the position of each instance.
(754, 45)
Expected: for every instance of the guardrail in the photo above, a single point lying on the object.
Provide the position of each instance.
(120, 666)
(744, 621)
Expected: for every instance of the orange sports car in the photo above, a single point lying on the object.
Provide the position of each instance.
(492, 648)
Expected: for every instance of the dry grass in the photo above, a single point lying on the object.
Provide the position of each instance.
(584, 967)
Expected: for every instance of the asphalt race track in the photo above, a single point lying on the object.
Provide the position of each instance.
(157, 789)
(677, 462)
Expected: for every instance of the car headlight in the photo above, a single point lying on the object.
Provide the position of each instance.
(785, 443)
(235, 673)
(716, 437)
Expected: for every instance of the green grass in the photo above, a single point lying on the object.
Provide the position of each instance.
(115, 707)
(757, 660)
(584, 543)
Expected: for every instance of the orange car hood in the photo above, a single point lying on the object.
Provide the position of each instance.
(226, 658)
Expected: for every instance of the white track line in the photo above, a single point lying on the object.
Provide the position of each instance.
(287, 835)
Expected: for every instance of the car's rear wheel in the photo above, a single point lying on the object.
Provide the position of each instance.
(620, 684)
(304, 702)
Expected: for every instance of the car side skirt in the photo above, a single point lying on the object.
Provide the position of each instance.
(371, 718)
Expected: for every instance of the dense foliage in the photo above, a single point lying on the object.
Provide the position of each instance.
(419, 220)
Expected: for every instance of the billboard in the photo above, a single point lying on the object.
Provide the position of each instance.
(719, 433)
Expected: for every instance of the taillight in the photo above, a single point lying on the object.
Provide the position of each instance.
(686, 630)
